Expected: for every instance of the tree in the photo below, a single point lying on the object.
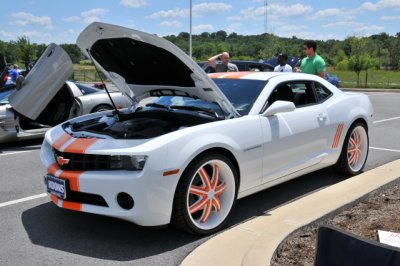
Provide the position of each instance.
(74, 52)
(360, 59)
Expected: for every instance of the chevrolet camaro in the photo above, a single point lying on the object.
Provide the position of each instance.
(192, 144)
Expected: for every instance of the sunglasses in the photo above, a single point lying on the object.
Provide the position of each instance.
(305, 48)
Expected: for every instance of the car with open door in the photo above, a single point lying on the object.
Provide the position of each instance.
(195, 143)
(46, 99)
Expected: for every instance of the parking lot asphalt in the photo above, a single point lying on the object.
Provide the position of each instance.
(35, 232)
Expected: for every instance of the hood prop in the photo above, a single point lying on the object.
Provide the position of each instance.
(104, 85)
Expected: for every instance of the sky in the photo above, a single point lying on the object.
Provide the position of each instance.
(61, 21)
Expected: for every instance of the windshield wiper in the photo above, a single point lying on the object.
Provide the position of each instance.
(194, 108)
(158, 105)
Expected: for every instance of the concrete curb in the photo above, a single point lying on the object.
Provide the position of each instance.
(254, 242)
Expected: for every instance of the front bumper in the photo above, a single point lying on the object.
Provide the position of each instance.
(152, 192)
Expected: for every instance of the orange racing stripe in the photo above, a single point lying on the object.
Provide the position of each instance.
(60, 141)
(53, 168)
(54, 199)
(72, 205)
(73, 178)
(237, 75)
(79, 145)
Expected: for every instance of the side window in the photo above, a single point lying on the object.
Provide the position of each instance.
(299, 92)
(321, 92)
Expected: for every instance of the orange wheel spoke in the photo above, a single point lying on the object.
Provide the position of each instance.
(206, 212)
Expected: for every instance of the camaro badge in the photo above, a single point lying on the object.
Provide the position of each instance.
(61, 161)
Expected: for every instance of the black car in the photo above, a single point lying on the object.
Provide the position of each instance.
(292, 61)
(243, 65)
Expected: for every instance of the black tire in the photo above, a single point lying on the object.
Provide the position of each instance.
(186, 201)
(348, 163)
(101, 108)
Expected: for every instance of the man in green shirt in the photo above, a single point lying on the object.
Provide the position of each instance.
(312, 63)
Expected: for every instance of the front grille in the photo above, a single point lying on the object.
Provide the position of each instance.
(82, 162)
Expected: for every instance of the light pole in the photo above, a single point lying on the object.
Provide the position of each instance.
(190, 34)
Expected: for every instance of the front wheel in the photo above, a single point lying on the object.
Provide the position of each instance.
(354, 151)
(206, 194)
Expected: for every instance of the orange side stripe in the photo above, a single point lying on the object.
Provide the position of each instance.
(337, 136)
(172, 172)
(73, 178)
(52, 169)
(72, 205)
(79, 145)
(54, 199)
(60, 141)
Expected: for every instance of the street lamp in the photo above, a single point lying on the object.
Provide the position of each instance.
(190, 34)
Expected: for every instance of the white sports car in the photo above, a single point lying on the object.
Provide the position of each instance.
(194, 144)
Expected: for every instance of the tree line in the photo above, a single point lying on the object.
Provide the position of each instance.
(380, 51)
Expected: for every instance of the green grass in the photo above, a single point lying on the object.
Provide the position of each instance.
(375, 79)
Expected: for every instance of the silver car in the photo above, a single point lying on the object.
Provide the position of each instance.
(25, 115)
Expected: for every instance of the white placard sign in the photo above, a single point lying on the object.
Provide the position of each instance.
(389, 238)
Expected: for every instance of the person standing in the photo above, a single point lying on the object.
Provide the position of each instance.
(13, 73)
(225, 66)
(282, 65)
(312, 63)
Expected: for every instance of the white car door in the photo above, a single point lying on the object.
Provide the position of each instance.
(294, 140)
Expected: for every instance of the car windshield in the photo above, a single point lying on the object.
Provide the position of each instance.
(5, 93)
(242, 93)
(187, 103)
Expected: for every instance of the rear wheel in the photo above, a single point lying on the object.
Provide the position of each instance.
(354, 151)
(101, 108)
(206, 194)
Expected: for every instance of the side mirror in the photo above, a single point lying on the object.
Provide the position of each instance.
(18, 82)
(279, 107)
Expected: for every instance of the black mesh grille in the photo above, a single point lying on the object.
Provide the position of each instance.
(82, 162)
(86, 198)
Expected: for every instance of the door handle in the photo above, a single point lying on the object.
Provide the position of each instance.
(321, 117)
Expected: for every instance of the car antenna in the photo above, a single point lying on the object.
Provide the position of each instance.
(104, 84)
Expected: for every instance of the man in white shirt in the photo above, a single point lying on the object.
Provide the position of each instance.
(282, 66)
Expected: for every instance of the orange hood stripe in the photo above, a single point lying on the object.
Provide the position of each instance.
(60, 141)
(79, 145)
(229, 75)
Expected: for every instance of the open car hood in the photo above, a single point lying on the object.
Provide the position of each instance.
(42, 83)
(138, 62)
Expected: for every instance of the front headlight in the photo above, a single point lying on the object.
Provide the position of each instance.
(126, 162)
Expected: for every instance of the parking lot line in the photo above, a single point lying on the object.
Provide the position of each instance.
(383, 149)
(22, 200)
(385, 120)
(17, 152)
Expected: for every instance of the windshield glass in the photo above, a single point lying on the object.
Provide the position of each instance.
(5, 93)
(241, 93)
(183, 103)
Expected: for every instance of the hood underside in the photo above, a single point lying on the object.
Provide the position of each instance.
(138, 62)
